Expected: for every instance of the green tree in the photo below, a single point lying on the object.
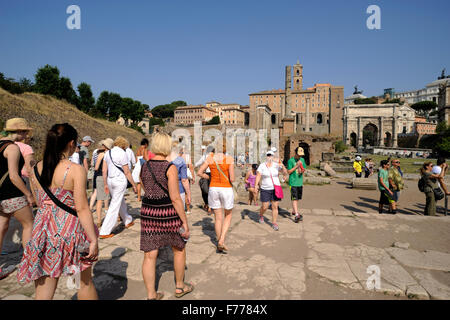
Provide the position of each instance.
(443, 147)
(214, 120)
(167, 110)
(26, 84)
(47, 80)
(87, 100)
(114, 106)
(366, 101)
(66, 91)
(137, 112)
(423, 108)
(10, 85)
(101, 107)
(441, 127)
(339, 146)
(126, 110)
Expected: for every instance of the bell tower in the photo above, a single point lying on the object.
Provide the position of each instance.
(298, 76)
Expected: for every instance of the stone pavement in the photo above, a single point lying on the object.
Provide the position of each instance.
(324, 257)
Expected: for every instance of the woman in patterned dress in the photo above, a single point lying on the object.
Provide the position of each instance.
(162, 217)
(61, 243)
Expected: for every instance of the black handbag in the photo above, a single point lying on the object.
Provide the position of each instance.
(63, 206)
(438, 194)
(129, 185)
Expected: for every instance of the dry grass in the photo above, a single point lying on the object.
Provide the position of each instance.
(43, 111)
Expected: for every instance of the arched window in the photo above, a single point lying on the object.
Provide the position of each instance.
(319, 119)
(274, 119)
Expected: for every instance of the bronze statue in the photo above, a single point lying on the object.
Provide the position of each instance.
(356, 90)
(442, 75)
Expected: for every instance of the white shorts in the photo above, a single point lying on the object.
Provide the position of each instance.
(219, 197)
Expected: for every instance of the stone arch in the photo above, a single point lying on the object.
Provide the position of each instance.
(353, 139)
(387, 139)
(370, 135)
(305, 147)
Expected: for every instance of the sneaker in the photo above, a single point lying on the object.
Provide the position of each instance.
(275, 227)
(4, 272)
(261, 219)
(188, 212)
(293, 213)
(297, 218)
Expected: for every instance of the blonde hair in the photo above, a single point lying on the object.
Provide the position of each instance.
(121, 142)
(161, 144)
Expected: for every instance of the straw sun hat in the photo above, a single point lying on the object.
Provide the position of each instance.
(17, 124)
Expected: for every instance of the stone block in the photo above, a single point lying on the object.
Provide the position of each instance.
(364, 184)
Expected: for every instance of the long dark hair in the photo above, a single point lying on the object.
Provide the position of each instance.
(57, 139)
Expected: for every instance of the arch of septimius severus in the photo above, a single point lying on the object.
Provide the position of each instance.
(385, 121)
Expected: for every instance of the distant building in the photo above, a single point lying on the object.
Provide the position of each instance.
(422, 126)
(232, 116)
(314, 110)
(444, 102)
(144, 124)
(189, 114)
(429, 93)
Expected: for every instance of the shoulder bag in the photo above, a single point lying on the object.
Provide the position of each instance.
(63, 206)
(278, 190)
(129, 185)
(232, 186)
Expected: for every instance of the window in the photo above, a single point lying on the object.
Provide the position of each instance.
(319, 119)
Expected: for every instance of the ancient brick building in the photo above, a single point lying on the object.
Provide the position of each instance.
(316, 110)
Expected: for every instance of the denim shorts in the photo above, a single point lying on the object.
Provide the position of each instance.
(268, 195)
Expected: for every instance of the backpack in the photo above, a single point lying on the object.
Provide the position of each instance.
(421, 184)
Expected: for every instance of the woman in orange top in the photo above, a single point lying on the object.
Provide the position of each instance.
(220, 192)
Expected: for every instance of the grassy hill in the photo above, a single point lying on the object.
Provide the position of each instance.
(42, 112)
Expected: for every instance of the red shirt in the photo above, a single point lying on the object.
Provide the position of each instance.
(150, 155)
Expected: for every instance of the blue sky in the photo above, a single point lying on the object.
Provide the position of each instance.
(160, 51)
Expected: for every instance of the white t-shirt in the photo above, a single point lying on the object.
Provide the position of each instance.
(119, 156)
(131, 158)
(266, 180)
(75, 158)
(437, 170)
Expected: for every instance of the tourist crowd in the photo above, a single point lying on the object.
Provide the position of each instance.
(62, 237)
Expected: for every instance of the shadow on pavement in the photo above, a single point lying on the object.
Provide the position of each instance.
(350, 208)
(108, 289)
(208, 229)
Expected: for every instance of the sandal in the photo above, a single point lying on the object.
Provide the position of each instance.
(159, 296)
(183, 291)
(222, 248)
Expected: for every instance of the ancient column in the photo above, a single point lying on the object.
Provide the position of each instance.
(345, 138)
(360, 134)
(394, 128)
(381, 133)
(288, 87)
